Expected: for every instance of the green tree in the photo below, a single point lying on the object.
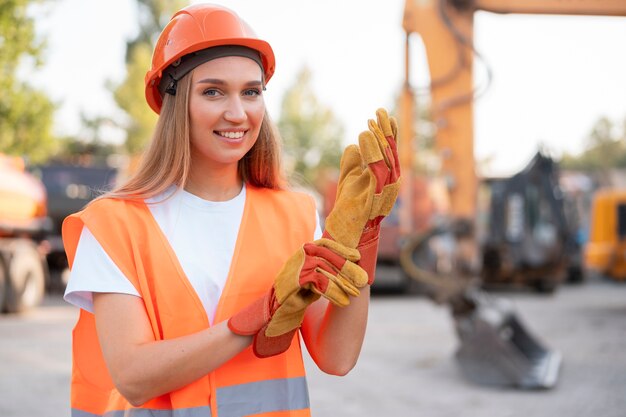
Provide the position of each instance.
(90, 146)
(605, 148)
(311, 133)
(26, 114)
(129, 95)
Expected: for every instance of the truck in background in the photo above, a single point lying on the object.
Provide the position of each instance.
(33, 204)
(69, 188)
(24, 226)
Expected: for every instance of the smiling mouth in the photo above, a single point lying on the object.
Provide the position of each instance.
(231, 135)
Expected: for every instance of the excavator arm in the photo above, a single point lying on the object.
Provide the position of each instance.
(446, 30)
(565, 7)
(495, 348)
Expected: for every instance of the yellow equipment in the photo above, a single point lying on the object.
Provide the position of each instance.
(605, 251)
(495, 347)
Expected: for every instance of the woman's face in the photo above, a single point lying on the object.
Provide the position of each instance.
(226, 108)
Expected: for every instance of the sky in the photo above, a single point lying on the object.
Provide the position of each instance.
(553, 76)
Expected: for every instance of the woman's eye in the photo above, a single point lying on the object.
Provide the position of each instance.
(211, 92)
(252, 92)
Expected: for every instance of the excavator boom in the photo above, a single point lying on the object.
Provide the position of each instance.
(495, 348)
(573, 7)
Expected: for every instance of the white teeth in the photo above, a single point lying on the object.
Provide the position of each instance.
(231, 135)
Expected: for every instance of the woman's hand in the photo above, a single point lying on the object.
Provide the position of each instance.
(369, 183)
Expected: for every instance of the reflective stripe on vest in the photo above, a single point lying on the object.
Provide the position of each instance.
(263, 396)
(274, 225)
(146, 412)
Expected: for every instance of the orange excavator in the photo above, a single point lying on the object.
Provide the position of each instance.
(23, 227)
(445, 256)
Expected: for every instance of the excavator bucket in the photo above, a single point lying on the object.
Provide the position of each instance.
(497, 349)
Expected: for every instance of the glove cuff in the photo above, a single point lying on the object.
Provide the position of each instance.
(265, 346)
(251, 319)
(368, 248)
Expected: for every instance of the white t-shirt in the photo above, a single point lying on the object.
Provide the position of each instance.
(189, 223)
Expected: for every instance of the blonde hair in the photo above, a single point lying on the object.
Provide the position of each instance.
(167, 160)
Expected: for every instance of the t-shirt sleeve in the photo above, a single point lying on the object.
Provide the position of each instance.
(94, 271)
(317, 234)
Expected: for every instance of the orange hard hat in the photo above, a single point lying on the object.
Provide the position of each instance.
(198, 27)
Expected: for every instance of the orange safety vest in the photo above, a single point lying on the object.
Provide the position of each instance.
(274, 225)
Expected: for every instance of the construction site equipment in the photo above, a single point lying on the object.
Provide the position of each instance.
(497, 349)
(605, 251)
(23, 225)
(528, 239)
(33, 204)
(69, 188)
(446, 256)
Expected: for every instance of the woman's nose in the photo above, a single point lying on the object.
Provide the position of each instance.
(235, 112)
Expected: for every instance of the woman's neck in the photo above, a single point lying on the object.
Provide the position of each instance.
(216, 185)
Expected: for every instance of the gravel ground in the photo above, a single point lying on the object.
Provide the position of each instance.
(407, 367)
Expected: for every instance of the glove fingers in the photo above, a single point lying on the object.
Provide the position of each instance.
(330, 246)
(383, 202)
(381, 141)
(321, 253)
(388, 128)
(393, 147)
(341, 260)
(353, 273)
(286, 282)
(373, 157)
(290, 314)
(384, 122)
(394, 127)
(338, 290)
(370, 149)
(350, 278)
(350, 164)
(354, 199)
(322, 279)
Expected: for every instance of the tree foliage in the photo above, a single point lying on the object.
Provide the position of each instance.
(90, 147)
(605, 148)
(26, 114)
(311, 133)
(129, 95)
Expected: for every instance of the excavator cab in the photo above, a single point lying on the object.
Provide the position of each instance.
(528, 241)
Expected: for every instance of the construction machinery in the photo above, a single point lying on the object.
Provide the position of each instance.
(462, 247)
(69, 188)
(529, 239)
(605, 251)
(23, 227)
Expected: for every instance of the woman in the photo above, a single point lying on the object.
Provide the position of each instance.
(203, 252)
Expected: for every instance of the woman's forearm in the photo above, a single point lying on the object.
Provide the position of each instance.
(143, 368)
(334, 335)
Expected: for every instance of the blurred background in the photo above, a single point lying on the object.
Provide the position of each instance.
(512, 139)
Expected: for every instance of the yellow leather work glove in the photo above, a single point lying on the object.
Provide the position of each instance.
(369, 182)
(323, 268)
